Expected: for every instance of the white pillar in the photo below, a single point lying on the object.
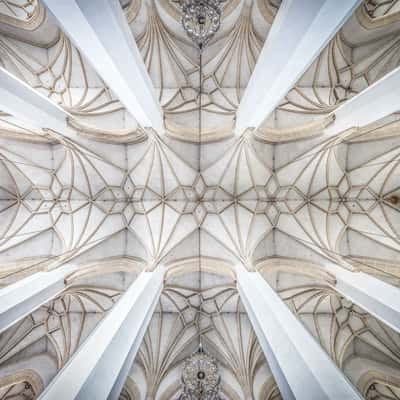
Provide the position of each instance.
(373, 295)
(20, 100)
(302, 369)
(300, 31)
(101, 32)
(377, 101)
(99, 368)
(21, 298)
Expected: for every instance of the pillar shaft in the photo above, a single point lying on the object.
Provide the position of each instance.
(101, 32)
(21, 298)
(20, 100)
(300, 31)
(99, 368)
(378, 298)
(377, 101)
(302, 369)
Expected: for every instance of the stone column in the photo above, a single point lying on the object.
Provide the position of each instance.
(99, 368)
(373, 295)
(300, 31)
(377, 101)
(302, 369)
(21, 298)
(101, 32)
(28, 105)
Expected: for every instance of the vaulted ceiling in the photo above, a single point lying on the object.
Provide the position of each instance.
(114, 197)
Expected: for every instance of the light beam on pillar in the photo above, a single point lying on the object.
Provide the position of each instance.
(300, 31)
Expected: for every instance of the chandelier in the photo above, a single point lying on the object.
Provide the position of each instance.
(201, 19)
(200, 377)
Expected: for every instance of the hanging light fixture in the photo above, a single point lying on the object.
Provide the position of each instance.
(200, 377)
(201, 19)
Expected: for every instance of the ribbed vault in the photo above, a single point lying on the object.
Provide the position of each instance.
(111, 198)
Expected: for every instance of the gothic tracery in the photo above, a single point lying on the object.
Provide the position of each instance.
(113, 198)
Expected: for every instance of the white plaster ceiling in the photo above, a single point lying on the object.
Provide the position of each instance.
(111, 191)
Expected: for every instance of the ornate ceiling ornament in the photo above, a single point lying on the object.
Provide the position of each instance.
(201, 19)
(200, 377)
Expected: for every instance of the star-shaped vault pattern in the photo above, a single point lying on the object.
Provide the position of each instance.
(115, 198)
